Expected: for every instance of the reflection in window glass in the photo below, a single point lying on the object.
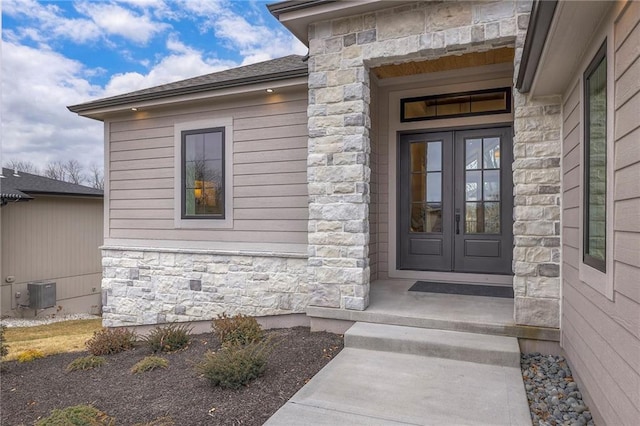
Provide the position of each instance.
(434, 157)
(473, 188)
(434, 187)
(595, 179)
(473, 223)
(494, 101)
(417, 156)
(417, 218)
(473, 152)
(417, 187)
(491, 185)
(203, 173)
(491, 151)
(491, 218)
(433, 213)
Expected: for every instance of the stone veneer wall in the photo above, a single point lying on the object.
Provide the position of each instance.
(341, 53)
(151, 286)
(536, 212)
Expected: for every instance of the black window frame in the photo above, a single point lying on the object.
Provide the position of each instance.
(183, 174)
(587, 259)
(506, 110)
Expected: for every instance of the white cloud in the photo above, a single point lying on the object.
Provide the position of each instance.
(38, 83)
(36, 126)
(50, 22)
(117, 20)
(183, 62)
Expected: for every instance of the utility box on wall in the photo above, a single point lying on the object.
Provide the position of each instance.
(42, 295)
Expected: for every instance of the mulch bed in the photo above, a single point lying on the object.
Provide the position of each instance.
(32, 390)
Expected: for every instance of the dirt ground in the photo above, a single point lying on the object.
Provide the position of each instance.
(29, 391)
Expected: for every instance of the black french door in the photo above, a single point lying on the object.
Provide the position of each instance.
(455, 201)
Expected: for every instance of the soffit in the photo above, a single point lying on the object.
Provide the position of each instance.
(446, 63)
(571, 32)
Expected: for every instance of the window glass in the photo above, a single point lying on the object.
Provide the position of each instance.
(595, 170)
(203, 173)
(493, 101)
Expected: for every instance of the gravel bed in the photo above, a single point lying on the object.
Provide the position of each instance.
(554, 397)
(30, 322)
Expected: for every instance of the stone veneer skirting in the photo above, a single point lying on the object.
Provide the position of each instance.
(151, 286)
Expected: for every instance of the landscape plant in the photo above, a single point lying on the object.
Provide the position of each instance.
(234, 366)
(77, 415)
(30, 355)
(237, 330)
(168, 338)
(111, 341)
(149, 363)
(86, 363)
(4, 348)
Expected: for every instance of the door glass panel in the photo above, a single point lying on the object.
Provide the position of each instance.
(473, 152)
(473, 188)
(492, 185)
(492, 153)
(491, 218)
(434, 157)
(434, 187)
(417, 157)
(434, 217)
(417, 218)
(417, 187)
(473, 223)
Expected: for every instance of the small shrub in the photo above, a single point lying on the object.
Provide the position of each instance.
(86, 363)
(168, 338)
(149, 363)
(30, 355)
(237, 330)
(4, 349)
(111, 341)
(235, 366)
(78, 415)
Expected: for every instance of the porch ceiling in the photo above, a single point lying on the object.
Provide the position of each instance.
(446, 63)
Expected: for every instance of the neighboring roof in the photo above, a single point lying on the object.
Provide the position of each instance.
(22, 187)
(276, 69)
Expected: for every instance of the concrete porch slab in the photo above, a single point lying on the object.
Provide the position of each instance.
(365, 387)
(390, 302)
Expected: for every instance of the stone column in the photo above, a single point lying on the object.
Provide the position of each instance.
(537, 151)
(338, 169)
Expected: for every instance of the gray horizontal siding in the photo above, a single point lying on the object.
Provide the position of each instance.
(602, 336)
(269, 164)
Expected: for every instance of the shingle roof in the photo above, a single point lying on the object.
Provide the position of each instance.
(276, 69)
(23, 187)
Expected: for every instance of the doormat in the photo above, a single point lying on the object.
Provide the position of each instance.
(463, 289)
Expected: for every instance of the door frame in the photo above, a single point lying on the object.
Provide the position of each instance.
(394, 163)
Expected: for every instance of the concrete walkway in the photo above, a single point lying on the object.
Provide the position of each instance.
(392, 375)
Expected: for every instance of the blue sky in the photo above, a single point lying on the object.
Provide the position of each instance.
(59, 53)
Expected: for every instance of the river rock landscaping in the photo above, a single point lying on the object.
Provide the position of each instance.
(554, 397)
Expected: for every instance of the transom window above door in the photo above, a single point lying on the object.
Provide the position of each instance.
(480, 102)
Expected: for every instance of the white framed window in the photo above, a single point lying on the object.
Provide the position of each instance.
(203, 174)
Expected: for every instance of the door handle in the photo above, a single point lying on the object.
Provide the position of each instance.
(457, 221)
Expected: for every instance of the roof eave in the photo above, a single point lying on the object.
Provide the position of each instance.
(276, 9)
(124, 100)
(539, 24)
(65, 194)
